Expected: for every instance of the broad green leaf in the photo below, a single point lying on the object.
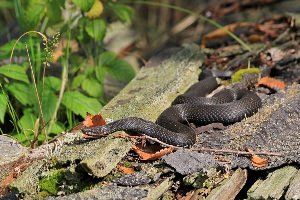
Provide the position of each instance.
(100, 72)
(26, 139)
(7, 47)
(123, 12)
(85, 5)
(3, 106)
(77, 81)
(96, 29)
(89, 71)
(106, 58)
(54, 11)
(92, 87)
(22, 92)
(48, 104)
(26, 123)
(80, 104)
(14, 71)
(52, 83)
(56, 129)
(22, 138)
(121, 70)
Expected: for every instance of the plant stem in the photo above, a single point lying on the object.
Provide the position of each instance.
(212, 22)
(36, 92)
(64, 78)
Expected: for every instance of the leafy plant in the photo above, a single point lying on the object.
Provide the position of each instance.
(38, 104)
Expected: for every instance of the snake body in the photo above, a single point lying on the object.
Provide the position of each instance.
(227, 106)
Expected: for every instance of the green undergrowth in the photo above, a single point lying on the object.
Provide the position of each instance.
(58, 66)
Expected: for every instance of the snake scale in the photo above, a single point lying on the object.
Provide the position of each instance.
(172, 126)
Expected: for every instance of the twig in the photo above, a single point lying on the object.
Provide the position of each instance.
(223, 151)
(236, 152)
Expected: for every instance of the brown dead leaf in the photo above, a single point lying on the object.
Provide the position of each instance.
(125, 170)
(271, 83)
(221, 32)
(93, 120)
(152, 155)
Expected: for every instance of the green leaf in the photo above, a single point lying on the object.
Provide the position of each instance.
(100, 73)
(22, 138)
(96, 29)
(85, 5)
(22, 92)
(54, 11)
(57, 128)
(14, 71)
(92, 87)
(77, 81)
(3, 106)
(30, 13)
(7, 47)
(107, 57)
(80, 104)
(48, 104)
(123, 12)
(27, 122)
(52, 83)
(121, 70)
(6, 4)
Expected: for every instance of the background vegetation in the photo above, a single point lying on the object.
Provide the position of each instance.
(59, 64)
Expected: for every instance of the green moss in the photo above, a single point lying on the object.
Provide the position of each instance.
(127, 164)
(238, 75)
(65, 180)
(50, 183)
(43, 194)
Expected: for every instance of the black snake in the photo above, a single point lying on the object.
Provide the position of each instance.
(172, 126)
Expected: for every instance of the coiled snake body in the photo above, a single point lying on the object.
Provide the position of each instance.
(227, 106)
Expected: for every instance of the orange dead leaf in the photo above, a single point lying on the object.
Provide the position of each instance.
(125, 170)
(221, 32)
(93, 120)
(271, 83)
(152, 155)
(258, 161)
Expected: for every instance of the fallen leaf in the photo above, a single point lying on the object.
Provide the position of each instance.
(152, 155)
(222, 32)
(93, 120)
(125, 170)
(271, 83)
(258, 161)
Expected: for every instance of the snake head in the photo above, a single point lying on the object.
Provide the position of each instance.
(95, 132)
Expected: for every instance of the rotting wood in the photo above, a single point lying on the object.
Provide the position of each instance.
(294, 189)
(274, 186)
(231, 187)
